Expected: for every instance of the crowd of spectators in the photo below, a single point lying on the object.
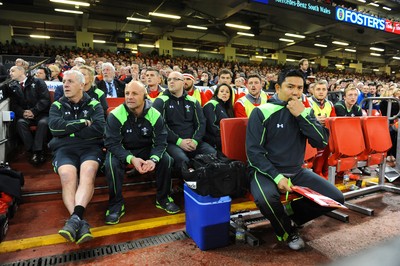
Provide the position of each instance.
(66, 55)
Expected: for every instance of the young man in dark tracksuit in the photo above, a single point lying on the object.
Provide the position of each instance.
(185, 122)
(348, 106)
(275, 146)
(76, 122)
(135, 134)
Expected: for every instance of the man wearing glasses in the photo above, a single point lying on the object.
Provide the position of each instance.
(185, 122)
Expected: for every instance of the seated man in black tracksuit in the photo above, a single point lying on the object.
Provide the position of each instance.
(185, 122)
(275, 144)
(136, 134)
(76, 122)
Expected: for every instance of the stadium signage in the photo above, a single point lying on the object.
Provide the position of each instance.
(365, 20)
(308, 6)
(392, 27)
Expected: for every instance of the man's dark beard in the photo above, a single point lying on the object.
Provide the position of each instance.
(188, 88)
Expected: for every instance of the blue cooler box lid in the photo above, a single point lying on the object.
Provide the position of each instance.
(204, 200)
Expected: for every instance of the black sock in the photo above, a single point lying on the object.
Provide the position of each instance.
(78, 210)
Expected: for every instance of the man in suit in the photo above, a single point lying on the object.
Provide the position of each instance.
(110, 84)
(30, 100)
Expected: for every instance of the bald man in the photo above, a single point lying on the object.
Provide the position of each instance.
(135, 134)
(185, 121)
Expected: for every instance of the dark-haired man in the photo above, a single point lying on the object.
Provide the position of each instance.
(201, 96)
(153, 82)
(43, 73)
(255, 97)
(275, 144)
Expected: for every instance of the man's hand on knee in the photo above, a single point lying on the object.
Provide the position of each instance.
(284, 185)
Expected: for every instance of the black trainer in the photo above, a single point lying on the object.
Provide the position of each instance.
(70, 228)
(168, 205)
(83, 235)
(113, 217)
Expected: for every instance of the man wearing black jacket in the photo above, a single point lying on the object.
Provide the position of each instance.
(135, 134)
(30, 100)
(185, 122)
(275, 144)
(77, 124)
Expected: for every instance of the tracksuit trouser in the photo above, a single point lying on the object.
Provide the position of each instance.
(115, 172)
(267, 198)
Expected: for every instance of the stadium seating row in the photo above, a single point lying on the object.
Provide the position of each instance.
(352, 140)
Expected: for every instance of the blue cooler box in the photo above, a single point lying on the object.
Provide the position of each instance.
(207, 219)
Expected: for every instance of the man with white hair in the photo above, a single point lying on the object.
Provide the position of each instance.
(110, 84)
(77, 124)
(79, 61)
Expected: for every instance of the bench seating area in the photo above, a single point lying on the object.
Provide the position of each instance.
(354, 142)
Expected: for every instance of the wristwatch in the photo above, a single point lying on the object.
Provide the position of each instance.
(154, 160)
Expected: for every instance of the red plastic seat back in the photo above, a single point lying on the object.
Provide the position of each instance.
(233, 138)
(309, 155)
(310, 152)
(346, 142)
(347, 136)
(376, 133)
(114, 102)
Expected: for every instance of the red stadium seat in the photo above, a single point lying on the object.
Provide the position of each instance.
(114, 102)
(377, 139)
(346, 142)
(233, 138)
(309, 156)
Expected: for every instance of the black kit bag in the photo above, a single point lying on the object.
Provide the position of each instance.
(217, 176)
(11, 182)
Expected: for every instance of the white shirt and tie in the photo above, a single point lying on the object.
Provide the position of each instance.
(111, 91)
